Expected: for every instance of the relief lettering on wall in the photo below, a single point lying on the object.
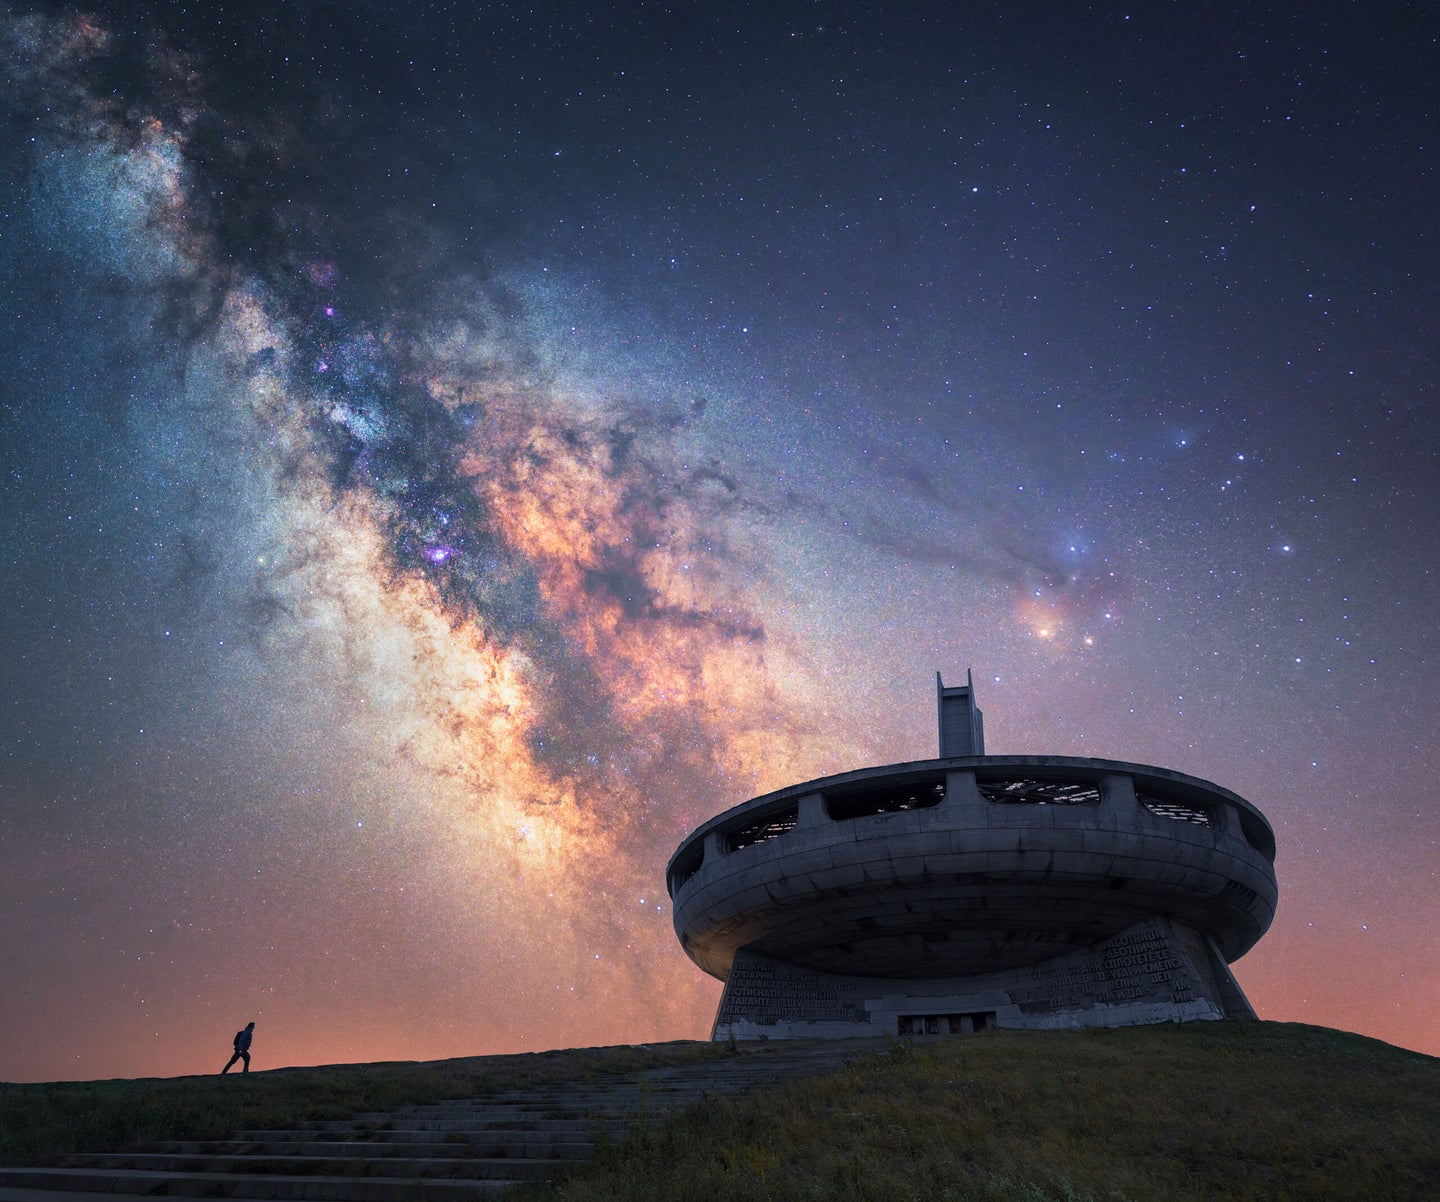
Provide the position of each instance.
(764, 992)
(1143, 967)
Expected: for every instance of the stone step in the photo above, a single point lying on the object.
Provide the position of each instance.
(282, 1186)
(277, 1186)
(453, 1121)
(314, 1166)
(568, 1099)
(567, 1145)
(570, 1108)
(446, 1133)
(14, 1194)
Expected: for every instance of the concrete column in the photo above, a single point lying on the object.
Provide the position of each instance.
(812, 811)
(1117, 796)
(960, 789)
(714, 847)
(961, 792)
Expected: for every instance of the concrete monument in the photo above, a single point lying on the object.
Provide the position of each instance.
(971, 891)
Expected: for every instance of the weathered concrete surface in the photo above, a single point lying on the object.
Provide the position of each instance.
(970, 878)
(1154, 972)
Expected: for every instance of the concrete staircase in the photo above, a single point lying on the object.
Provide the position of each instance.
(456, 1151)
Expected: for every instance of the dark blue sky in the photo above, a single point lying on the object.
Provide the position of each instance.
(448, 454)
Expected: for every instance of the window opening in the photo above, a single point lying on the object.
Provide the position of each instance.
(761, 830)
(1040, 792)
(1257, 835)
(892, 800)
(687, 866)
(946, 1024)
(1177, 811)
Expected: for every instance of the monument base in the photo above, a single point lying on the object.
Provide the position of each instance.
(1156, 971)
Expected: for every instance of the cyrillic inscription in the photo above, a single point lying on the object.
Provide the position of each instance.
(763, 992)
(1132, 968)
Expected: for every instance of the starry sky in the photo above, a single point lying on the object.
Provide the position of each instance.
(450, 450)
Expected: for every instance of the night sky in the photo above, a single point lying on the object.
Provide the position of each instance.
(451, 451)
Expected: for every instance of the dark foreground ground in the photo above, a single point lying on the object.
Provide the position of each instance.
(1206, 1111)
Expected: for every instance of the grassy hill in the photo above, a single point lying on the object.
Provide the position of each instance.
(1207, 1111)
(41, 1123)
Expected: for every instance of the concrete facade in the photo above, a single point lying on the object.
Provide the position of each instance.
(972, 891)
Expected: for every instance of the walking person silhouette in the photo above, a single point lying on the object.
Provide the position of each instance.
(242, 1049)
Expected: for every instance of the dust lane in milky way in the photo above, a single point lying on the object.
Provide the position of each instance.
(447, 458)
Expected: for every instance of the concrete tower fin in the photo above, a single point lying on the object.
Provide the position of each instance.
(962, 725)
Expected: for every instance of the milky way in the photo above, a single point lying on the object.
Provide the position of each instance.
(450, 456)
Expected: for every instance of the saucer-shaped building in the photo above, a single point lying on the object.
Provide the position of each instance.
(973, 891)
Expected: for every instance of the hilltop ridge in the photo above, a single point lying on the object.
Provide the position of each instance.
(1208, 1112)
